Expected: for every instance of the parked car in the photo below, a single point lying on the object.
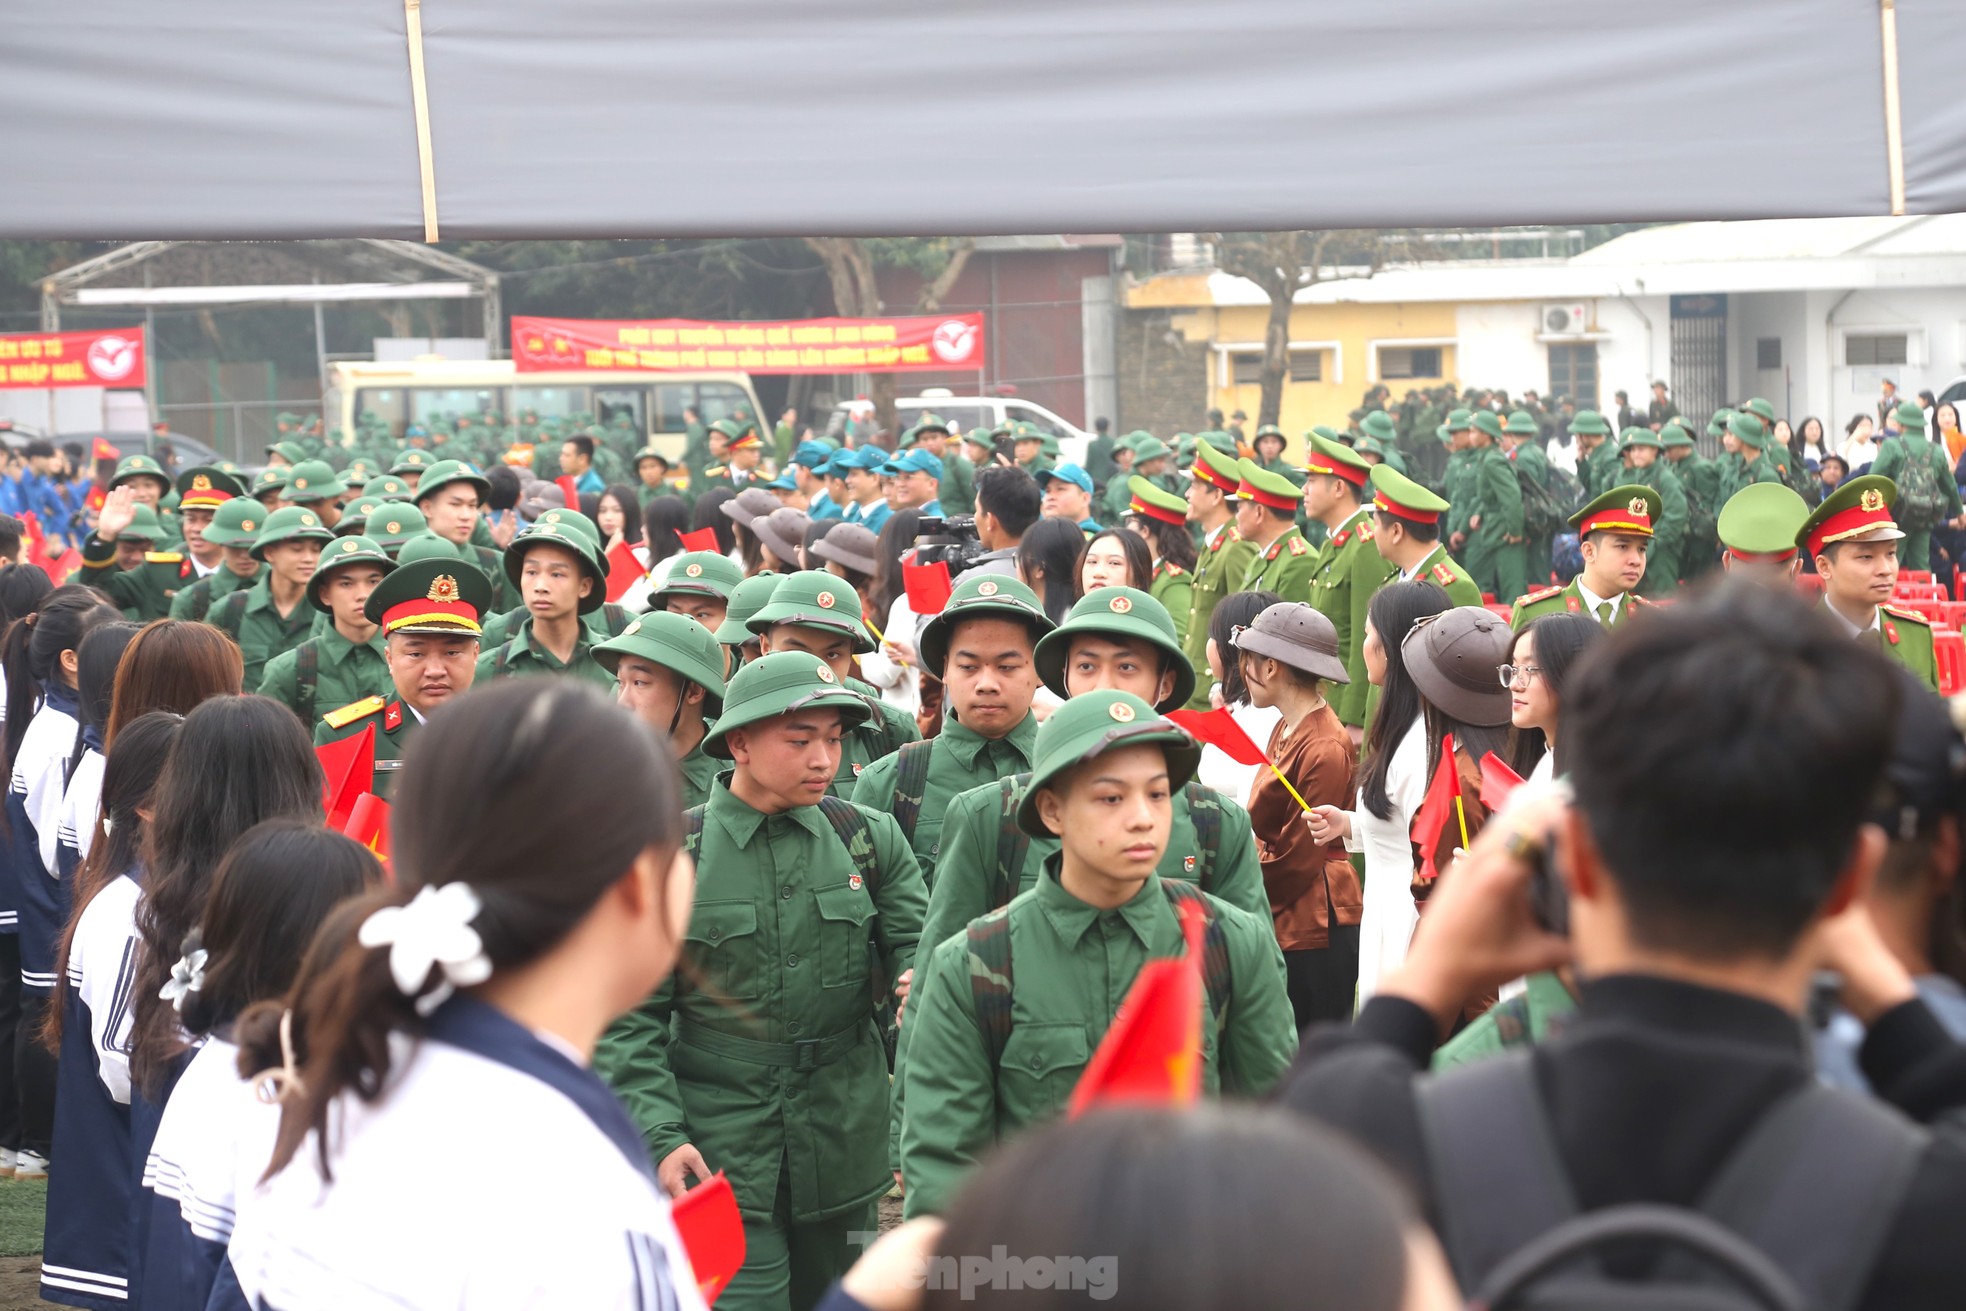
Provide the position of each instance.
(182, 453)
(965, 412)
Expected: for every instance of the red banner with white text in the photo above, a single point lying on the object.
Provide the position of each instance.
(106, 357)
(918, 343)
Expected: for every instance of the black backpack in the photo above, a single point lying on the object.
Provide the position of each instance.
(1795, 1218)
(1546, 508)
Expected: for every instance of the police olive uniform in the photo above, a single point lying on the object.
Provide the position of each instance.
(688, 650)
(522, 652)
(811, 599)
(762, 1049)
(249, 615)
(1007, 1011)
(1860, 510)
(917, 783)
(1393, 493)
(1170, 584)
(1351, 571)
(1286, 564)
(1223, 563)
(431, 597)
(1629, 510)
(328, 670)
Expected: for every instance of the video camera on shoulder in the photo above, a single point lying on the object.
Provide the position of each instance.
(953, 541)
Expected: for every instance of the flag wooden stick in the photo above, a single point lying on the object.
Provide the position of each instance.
(880, 637)
(1461, 813)
(1305, 805)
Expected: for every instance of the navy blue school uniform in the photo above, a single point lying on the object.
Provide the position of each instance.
(85, 1252)
(146, 1114)
(33, 807)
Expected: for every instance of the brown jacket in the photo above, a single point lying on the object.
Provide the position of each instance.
(1311, 886)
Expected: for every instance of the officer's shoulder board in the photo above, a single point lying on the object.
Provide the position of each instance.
(1298, 546)
(163, 557)
(1173, 570)
(1444, 575)
(348, 714)
(1542, 595)
(1900, 612)
(1365, 533)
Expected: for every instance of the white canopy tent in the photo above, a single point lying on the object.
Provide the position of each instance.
(614, 118)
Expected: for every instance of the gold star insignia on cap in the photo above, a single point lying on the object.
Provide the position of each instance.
(825, 674)
(632, 629)
(694, 571)
(307, 521)
(986, 589)
(1120, 710)
(201, 483)
(442, 588)
(827, 601)
(300, 484)
(247, 525)
(1119, 605)
(1637, 505)
(1872, 500)
(393, 526)
(551, 516)
(349, 546)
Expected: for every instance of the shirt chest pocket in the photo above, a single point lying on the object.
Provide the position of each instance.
(845, 941)
(1041, 1064)
(723, 948)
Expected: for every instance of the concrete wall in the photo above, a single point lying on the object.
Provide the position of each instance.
(1162, 366)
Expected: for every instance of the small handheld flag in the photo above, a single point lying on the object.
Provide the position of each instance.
(928, 586)
(570, 489)
(1218, 728)
(624, 569)
(703, 539)
(349, 769)
(368, 824)
(1152, 1051)
(1442, 802)
(712, 1232)
(1497, 782)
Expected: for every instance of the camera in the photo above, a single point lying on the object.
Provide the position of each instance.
(952, 541)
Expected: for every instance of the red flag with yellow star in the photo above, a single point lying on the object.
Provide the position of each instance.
(712, 1232)
(1152, 1051)
(368, 824)
(348, 769)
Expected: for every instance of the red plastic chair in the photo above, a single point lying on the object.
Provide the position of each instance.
(1914, 575)
(1950, 651)
(1503, 612)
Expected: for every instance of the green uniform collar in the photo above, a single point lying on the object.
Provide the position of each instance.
(522, 644)
(742, 820)
(334, 648)
(965, 744)
(1072, 919)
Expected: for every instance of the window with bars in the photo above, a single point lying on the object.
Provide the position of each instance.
(1409, 362)
(1876, 348)
(1305, 366)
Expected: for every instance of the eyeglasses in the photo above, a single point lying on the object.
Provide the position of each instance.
(1509, 674)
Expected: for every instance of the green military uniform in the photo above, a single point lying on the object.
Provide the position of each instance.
(311, 482)
(1539, 1012)
(811, 599)
(1444, 572)
(522, 652)
(1662, 562)
(687, 649)
(133, 467)
(698, 573)
(147, 591)
(762, 1049)
(235, 523)
(1592, 466)
(991, 1049)
(1755, 466)
(328, 669)
(1630, 510)
(1532, 469)
(1223, 563)
(1284, 566)
(1861, 510)
(1170, 584)
(489, 559)
(251, 617)
(1913, 462)
(1497, 554)
(1699, 480)
(917, 782)
(1347, 576)
(428, 597)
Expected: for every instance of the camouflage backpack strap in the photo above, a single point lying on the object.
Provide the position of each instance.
(990, 980)
(1205, 813)
(1215, 973)
(850, 822)
(201, 600)
(693, 830)
(911, 764)
(232, 613)
(307, 677)
(616, 617)
(1013, 843)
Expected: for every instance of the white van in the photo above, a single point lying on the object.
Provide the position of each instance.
(962, 413)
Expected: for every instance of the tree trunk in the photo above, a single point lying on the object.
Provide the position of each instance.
(933, 292)
(1276, 356)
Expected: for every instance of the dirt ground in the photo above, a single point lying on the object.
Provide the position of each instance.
(20, 1284)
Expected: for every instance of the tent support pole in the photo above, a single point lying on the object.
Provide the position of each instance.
(420, 101)
(1894, 138)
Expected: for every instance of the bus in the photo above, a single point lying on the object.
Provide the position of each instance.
(420, 391)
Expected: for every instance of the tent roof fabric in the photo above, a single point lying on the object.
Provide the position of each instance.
(616, 118)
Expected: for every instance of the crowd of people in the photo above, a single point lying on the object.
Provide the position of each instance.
(808, 821)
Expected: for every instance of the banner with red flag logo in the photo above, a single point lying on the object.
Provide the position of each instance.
(104, 357)
(931, 343)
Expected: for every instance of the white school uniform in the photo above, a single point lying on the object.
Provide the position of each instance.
(75, 823)
(422, 1213)
(1390, 915)
(34, 809)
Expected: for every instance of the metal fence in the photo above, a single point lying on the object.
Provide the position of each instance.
(237, 430)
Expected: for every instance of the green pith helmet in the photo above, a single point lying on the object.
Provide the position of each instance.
(392, 523)
(290, 523)
(1720, 421)
(344, 551)
(1590, 424)
(145, 526)
(1378, 425)
(236, 523)
(1764, 410)
(1124, 612)
(677, 643)
(389, 487)
(1521, 424)
(778, 684)
(589, 558)
(1641, 437)
(745, 600)
(269, 480)
(1762, 519)
(1087, 727)
(979, 596)
(1748, 430)
(698, 573)
(1910, 417)
(1674, 434)
(429, 546)
(355, 515)
(412, 461)
(445, 472)
(140, 466)
(811, 599)
(572, 521)
(313, 481)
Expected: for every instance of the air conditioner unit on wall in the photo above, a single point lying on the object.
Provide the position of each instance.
(1565, 320)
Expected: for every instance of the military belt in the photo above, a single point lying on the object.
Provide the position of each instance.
(805, 1054)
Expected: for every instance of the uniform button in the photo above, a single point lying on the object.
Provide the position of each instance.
(715, 934)
(791, 961)
(785, 893)
(1037, 1063)
(794, 1027)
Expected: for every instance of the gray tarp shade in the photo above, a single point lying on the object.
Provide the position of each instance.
(292, 118)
